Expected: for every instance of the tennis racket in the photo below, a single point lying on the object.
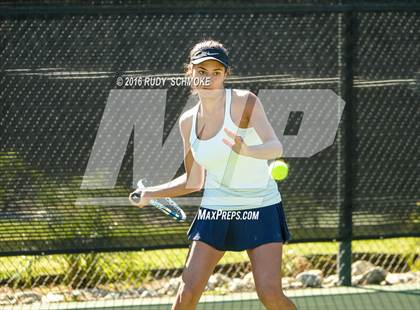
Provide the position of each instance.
(166, 205)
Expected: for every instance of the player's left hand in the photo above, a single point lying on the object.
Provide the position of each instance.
(238, 146)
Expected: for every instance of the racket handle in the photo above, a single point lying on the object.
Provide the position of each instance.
(173, 210)
(135, 197)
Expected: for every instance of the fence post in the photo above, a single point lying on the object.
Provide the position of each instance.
(348, 32)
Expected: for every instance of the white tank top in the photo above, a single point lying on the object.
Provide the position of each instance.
(233, 182)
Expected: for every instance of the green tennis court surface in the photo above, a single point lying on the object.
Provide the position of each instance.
(397, 297)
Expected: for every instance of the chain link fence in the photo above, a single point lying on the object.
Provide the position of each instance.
(58, 65)
(130, 275)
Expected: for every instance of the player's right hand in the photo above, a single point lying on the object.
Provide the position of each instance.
(139, 198)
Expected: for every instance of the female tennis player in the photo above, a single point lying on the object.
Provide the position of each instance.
(227, 142)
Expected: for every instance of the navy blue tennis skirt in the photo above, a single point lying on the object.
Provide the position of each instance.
(240, 230)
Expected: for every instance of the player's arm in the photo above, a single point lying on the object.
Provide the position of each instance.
(271, 146)
(193, 178)
(254, 116)
(195, 173)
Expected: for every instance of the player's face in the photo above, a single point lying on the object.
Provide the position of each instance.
(213, 70)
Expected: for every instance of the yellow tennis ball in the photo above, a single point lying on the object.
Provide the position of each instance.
(278, 170)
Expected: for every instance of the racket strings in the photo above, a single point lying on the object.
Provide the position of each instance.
(174, 207)
(167, 205)
(171, 208)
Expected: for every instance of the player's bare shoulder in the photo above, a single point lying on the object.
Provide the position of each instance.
(185, 123)
(239, 100)
(240, 97)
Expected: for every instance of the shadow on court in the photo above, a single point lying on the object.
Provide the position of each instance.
(372, 297)
(372, 300)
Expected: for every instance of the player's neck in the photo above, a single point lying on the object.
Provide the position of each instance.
(212, 105)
